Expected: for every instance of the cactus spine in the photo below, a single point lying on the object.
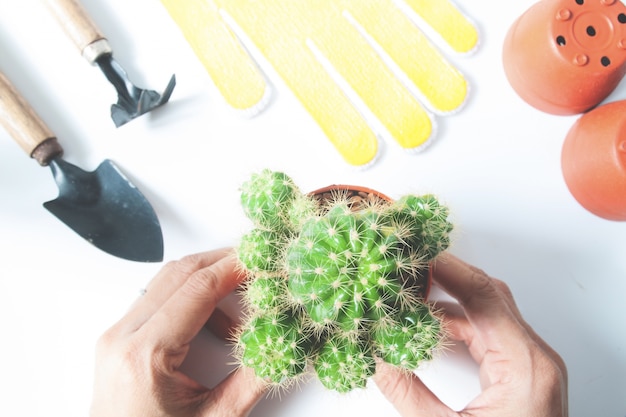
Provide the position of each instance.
(333, 285)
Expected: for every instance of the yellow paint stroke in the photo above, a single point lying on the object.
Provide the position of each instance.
(317, 46)
(219, 51)
(447, 20)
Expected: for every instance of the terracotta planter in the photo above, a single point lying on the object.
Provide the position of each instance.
(358, 194)
(566, 56)
(594, 161)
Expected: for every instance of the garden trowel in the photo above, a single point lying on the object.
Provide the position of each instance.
(102, 206)
(132, 101)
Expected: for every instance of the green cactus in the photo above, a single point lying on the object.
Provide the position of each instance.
(276, 345)
(260, 250)
(332, 283)
(344, 271)
(266, 293)
(425, 219)
(409, 338)
(343, 364)
(273, 201)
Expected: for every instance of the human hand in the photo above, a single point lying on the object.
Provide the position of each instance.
(138, 359)
(520, 374)
(330, 54)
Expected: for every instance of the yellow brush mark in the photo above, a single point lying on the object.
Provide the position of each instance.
(449, 22)
(386, 97)
(302, 39)
(441, 84)
(302, 72)
(219, 50)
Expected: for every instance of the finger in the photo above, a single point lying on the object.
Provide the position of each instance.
(454, 321)
(484, 305)
(458, 328)
(167, 281)
(508, 296)
(237, 394)
(182, 316)
(221, 325)
(407, 393)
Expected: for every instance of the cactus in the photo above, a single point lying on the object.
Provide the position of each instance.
(276, 345)
(409, 338)
(343, 364)
(334, 283)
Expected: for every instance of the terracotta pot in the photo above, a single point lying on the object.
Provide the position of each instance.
(360, 193)
(566, 56)
(593, 161)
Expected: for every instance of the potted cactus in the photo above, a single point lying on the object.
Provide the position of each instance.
(336, 279)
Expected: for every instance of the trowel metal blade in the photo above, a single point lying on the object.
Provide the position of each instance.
(117, 218)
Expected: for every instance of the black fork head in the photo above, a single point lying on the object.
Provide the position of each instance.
(132, 101)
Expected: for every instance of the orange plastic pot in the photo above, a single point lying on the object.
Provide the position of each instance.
(593, 161)
(359, 193)
(565, 56)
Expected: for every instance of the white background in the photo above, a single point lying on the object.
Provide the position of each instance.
(496, 163)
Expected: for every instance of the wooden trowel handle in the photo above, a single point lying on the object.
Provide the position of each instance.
(25, 126)
(79, 28)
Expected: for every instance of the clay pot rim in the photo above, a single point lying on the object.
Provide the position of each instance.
(348, 187)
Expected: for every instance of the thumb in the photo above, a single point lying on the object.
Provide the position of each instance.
(408, 394)
(236, 395)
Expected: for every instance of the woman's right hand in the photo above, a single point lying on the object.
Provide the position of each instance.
(520, 374)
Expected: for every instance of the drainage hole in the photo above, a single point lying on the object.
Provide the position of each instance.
(605, 61)
(560, 40)
(621, 18)
(591, 31)
(580, 2)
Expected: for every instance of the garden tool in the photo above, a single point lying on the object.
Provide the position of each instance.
(132, 100)
(103, 206)
(345, 60)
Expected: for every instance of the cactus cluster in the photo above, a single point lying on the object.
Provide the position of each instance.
(334, 283)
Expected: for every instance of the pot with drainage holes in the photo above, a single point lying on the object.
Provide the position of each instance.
(566, 56)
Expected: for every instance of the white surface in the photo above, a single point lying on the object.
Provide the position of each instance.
(496, 163)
